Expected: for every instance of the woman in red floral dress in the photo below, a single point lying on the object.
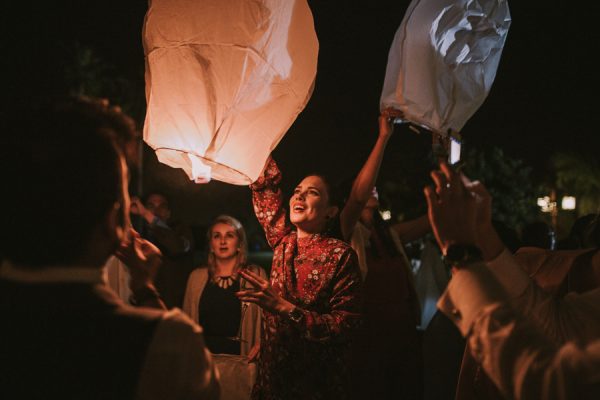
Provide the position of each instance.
(312, 301)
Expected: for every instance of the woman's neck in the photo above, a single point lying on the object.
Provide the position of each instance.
(307, 230)
(225, 267)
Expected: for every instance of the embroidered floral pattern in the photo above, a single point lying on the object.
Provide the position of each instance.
(319, 275)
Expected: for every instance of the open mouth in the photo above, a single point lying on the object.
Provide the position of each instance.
(298, 208)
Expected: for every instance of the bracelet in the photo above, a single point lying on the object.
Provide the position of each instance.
(143, 295)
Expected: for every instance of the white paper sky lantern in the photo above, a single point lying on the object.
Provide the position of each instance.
(224, 81)
(443, 60)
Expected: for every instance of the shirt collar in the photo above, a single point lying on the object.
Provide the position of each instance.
(57, 274)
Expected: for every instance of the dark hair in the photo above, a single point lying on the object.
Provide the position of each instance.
(333, 192)
(62, 171)
(335, 199)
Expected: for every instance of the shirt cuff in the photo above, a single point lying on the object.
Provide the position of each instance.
(469, 292)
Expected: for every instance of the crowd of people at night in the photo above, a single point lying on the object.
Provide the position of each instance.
(336, 316)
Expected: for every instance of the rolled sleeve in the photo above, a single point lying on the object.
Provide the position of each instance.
(469, 292)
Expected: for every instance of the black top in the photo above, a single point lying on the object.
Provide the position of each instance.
(219, 314)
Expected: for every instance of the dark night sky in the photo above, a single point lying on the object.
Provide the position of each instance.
(542, 100)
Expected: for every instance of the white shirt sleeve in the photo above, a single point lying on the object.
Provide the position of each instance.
(524, 364)
(546, 348)
(509, 274)
(178, 365)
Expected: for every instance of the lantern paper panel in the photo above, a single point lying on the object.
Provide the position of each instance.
(224, 81)
(443, 60)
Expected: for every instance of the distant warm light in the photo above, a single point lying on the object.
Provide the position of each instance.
(545, 204)
(568, 203)
(386, 214)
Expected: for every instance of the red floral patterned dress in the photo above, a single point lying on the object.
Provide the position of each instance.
(306, 359)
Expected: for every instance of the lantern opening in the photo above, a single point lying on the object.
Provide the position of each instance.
(200, 171)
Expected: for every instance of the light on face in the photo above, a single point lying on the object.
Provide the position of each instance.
(568, 203)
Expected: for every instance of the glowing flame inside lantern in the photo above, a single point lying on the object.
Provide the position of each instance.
(200, 171)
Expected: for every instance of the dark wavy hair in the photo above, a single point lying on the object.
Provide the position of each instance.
(62, 175)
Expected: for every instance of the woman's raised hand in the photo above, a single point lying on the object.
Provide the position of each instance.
(386, 121)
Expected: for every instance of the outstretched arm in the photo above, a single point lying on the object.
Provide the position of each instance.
(363, 185)
(268, 203)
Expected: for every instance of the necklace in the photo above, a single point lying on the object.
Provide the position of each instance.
(224, 281)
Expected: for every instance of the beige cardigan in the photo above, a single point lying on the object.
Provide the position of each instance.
(251, 323)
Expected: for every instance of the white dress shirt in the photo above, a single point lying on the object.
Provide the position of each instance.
(531, 344)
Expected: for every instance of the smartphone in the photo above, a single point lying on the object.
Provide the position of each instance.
(455, 146)
(451, 153)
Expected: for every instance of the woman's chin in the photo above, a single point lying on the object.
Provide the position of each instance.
(297, 220)
(308, 227)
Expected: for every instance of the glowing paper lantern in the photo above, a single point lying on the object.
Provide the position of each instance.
(224, 82)
(443, 60)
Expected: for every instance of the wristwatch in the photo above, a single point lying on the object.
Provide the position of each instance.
(295, 315)
(458, 255)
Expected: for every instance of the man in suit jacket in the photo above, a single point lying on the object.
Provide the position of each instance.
(64, 333)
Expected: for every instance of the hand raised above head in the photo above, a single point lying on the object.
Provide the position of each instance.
(386, 121)
(460, 211)
(452, 208)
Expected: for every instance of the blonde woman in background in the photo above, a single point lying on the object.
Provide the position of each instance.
(230, 326)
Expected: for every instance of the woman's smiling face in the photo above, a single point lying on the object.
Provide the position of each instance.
(309, 205)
